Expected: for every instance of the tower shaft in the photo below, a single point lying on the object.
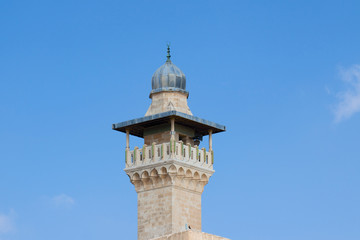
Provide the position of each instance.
(169, 179)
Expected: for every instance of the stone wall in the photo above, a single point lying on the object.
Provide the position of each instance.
(161, 134)
(168, 101)
(186, 210)
(190, 235)
(154, 213)
(162, 137)
(167, 210)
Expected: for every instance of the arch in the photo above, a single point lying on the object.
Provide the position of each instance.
(204, 178)
(144, 174)
(163, 170)
(188, 173)
(135, 177)
(181, 171)
(154, 173)
(172, 169)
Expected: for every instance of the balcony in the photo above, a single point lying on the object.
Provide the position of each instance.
(172, 150)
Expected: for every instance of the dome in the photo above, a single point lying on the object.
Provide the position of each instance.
(168, 77)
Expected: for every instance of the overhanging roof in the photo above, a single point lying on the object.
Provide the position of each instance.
(137, 126)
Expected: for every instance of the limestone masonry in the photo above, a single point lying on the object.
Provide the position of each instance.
(170, 170)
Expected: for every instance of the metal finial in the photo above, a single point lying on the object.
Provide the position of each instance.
(168, 53)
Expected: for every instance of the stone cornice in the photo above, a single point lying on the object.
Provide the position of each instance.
(169, 173)
(196, 167)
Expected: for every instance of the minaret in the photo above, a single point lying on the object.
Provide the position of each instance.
(170, 170)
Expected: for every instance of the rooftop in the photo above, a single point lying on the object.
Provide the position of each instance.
(137, 126)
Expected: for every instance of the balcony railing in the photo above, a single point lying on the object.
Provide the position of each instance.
(171, 150)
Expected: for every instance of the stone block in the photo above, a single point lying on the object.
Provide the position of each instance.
(190, 235)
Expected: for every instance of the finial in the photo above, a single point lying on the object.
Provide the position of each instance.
(168, 53)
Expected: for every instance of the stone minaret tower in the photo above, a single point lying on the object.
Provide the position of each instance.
(170, 170)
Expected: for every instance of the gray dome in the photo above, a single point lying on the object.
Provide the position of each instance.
(168, 77)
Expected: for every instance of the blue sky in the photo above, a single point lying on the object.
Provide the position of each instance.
(283, 76)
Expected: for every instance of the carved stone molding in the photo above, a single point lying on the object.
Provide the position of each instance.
(169, 174)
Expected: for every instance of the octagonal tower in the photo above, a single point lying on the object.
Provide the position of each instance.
(170, 170)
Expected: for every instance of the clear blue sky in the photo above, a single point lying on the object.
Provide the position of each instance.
(283, 76)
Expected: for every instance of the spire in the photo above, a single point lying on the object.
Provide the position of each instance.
(168, 53)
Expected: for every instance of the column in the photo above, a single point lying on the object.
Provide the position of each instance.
(127, 138)
(210, 140)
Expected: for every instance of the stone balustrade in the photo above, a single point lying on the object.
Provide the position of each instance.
(169, 151)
